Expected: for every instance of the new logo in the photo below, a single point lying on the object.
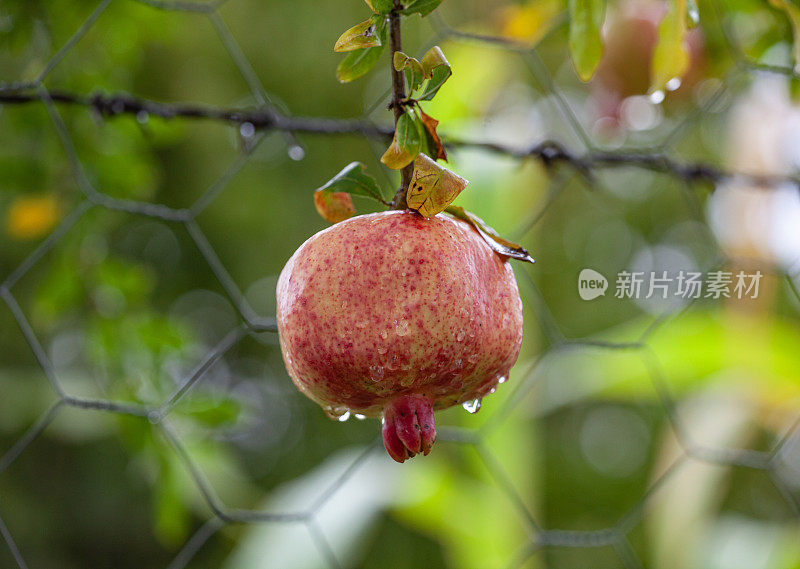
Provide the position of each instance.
(591, 284)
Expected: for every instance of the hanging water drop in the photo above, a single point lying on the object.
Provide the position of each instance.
(673, 84)
(692, 13)
(247, 130)
(656, 97)
(337, 413)
(472, 406)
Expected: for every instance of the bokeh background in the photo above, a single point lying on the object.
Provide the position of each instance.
(649, 433)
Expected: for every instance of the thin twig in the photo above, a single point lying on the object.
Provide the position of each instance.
(398, 96)
(548, 151)
(110, 105)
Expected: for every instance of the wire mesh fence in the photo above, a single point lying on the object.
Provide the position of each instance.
(583, 164)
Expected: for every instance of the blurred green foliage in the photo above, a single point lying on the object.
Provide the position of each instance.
(126, 307)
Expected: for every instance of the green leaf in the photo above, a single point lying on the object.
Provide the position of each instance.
(422, 7)
(359, 62)
(363, 35)
(671, 59)
(172, 519)
(413, 68)
(793, 13)
(380, 6)
(585, 40)
(432, 187)
(498, 244)
(407, 141)
(354, 180)
(211, 412)
(437, 70)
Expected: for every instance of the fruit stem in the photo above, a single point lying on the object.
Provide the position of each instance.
(398, 95)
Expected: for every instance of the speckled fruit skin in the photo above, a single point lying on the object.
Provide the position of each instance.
(393, 315)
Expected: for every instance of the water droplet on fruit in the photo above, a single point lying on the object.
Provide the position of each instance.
(460, 335)
(384, 334)
(401, 328)
(337, 413)
(376, 373)
(492, 390)
(359, 416)
(472, 406)
(502, 378)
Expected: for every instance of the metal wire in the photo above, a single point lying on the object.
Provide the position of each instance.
(266, 116)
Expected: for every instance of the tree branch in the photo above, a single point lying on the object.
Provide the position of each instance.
(398, 94)
(124, 104)
(548, 152)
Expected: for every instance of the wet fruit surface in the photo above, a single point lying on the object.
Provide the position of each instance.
(391, 309)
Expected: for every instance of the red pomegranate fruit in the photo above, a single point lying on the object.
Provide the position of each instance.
(393, 315)
(625, 70)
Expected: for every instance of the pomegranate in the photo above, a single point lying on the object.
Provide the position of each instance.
(393, 315)
(625, 70)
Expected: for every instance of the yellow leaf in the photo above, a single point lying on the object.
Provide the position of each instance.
(432, 187)
(406, 142)
(30, 217)
(529, 22)
(334, 206)
(363, 35)
(671, 58)
(395, 157)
